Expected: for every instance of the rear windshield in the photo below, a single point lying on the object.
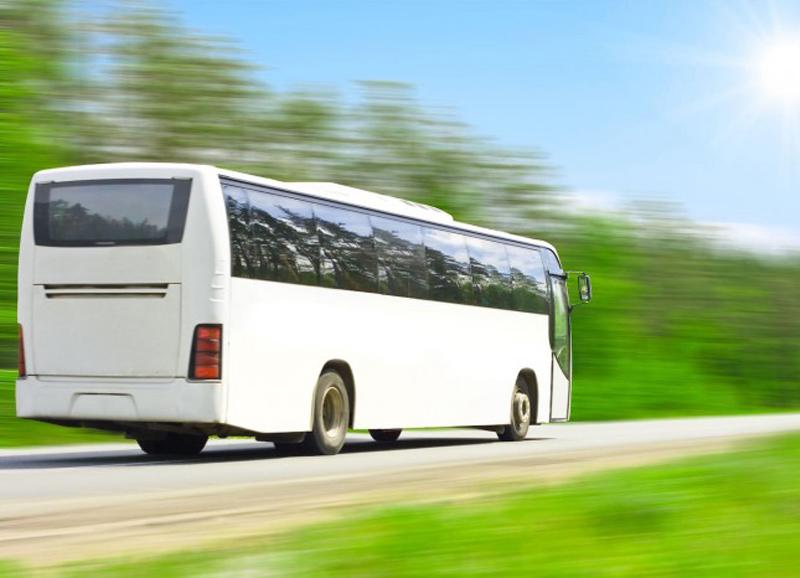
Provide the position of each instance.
(110, 212)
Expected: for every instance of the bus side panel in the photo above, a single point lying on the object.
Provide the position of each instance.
(415, 363)
(273, 358)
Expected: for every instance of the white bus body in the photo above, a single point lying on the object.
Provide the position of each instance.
(110, 299)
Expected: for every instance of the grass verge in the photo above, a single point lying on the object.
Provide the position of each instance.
(730, 515)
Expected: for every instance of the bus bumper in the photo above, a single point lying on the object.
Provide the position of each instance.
(127, 400)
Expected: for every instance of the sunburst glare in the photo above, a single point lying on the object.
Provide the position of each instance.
(751, 79)
(777, 69)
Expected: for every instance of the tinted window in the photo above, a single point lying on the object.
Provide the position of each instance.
(528, 284)
(348, 258)
(238, 206)
(447, 261)
(282, 238)
(491, 273)
(285, 243)
(112, 212)
(560, 325)
(401, 258)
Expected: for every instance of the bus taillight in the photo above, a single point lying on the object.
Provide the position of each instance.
(206, 361)
(21, 355)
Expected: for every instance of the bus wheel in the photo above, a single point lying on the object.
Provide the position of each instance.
(331, 415)
(520, 414)
(174, 444)
(385, 435)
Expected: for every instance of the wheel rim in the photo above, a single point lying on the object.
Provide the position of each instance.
(521, 411)
(333, 412)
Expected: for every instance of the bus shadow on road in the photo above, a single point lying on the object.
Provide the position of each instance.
(419, 443)
(247, 451)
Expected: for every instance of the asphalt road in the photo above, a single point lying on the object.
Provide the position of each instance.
(83, 501)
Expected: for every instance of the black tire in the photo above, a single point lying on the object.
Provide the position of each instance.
(331, 416)
(385, 436)
(174, 444)
(521, 414)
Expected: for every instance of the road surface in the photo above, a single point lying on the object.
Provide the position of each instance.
(64, 503)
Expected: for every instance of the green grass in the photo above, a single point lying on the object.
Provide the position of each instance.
(15, 432)
(732, 515)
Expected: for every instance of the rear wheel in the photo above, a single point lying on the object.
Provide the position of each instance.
(331, 415)
(174, 444)
(385, 435)
(521, 414)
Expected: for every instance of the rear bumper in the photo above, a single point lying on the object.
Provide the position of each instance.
(126, 400)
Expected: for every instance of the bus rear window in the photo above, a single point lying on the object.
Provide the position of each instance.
(110, 212)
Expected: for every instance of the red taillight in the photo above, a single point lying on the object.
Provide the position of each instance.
(21, 355)
(206, 362)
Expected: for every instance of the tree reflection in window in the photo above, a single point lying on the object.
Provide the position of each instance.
(73, 221)
(285, 240)
(401, 258)
(528, 282)
(449, 277)
(238, 206)
(279, 237)
(491, 272)
(347, 256)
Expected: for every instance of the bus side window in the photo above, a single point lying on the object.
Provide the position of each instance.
(238, 207)
(491, 273)
(449, 276)
(285, 241)
(528, 282)
(347, 256)
(401, 258)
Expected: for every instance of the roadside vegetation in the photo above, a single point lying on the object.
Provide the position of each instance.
(732, 515)
(678, 326)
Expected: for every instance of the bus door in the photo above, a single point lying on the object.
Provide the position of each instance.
(561, 344)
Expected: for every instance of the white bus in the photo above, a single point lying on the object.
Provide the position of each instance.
(172, 302)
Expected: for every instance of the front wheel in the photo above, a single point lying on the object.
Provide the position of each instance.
(331, 415)
(174, 444)
(385, 435)
(521, 413)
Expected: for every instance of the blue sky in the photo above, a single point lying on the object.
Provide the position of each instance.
(626, 99)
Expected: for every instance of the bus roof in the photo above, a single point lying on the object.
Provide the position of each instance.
(321, 190)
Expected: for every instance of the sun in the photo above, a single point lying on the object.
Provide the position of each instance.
(777, 69)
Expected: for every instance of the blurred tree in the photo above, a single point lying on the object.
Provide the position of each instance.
(399, 148)
(34, 62)
(165, 94)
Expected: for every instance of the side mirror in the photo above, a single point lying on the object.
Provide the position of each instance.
(584, 287)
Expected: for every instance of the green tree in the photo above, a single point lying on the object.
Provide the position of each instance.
(34, 62)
